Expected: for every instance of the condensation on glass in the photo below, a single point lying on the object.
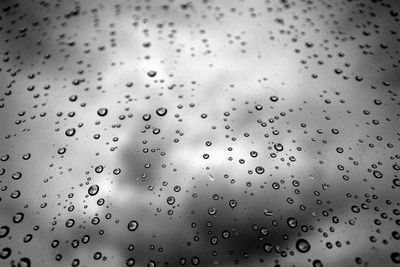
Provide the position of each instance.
(199, 133)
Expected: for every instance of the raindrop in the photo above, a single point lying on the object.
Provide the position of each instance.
(170, 200)
(151, 73)
(27, 238)
(264, 231)
(292, 222)
(377, 174)
(102, 112)
(268, 212)
(15, 194)
(232, 203)
(273, 98)
(99, 169)
(195, 260)
(130, 262)
(156, 131)
(97, 255)
(254, 154)
(26, 156)
(5, 253)
(212, 211)
(395, 257)
(226, 234)
(146, 117)
(4, 230)
(278, 147)
(317, 263)
(177, 188)
(133, 225)
(259, 170)
(61, 150)
(302, 245)
(70, 132)
(93, 190)
(268, 248)
(16, 175)
(161, 111)
(18, 217)
(69, 223)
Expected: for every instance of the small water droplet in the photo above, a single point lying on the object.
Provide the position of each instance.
(161, 111)
(93, 190)
(133, 225)
(302, 245)
(102, 112)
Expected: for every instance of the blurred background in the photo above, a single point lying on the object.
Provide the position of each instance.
(199, 133)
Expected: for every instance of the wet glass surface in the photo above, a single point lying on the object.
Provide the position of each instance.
(199, 133)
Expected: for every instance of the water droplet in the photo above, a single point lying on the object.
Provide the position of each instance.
(259, 170)
(18, 217)
(302, 245)
(395, 257)
(212, 211)
(268, 248)
(377, 174)
(170, 200)
(254, 154)
(151, 73)
(99, 169)
(278, 147)
(292, 222)
(273, 98)
(5, 253)
(102, 112)
(268, 212)
(195, 260)
(232, 203)
(16, 175)
(61, 150)
(4, 230)
(161, 111)
(156, 131)
(70, 132)
(146, 117)
(93, 190)
(130, 262)
(226, 234)
(264, 231)
(69, 223)
(317, 263)
(26, 156)
(133, 225)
